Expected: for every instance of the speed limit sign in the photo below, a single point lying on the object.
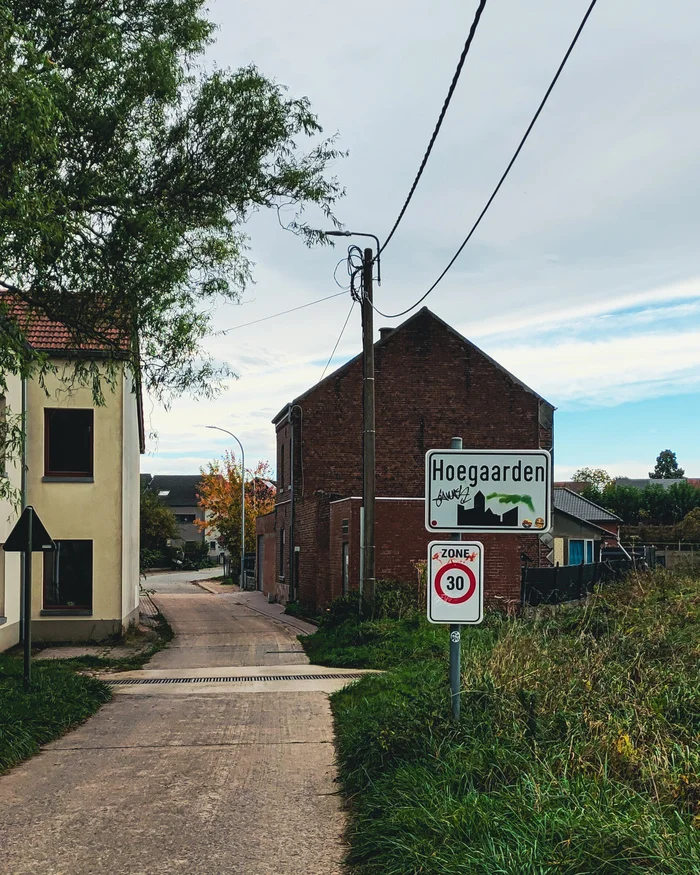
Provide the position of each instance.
(455, 585)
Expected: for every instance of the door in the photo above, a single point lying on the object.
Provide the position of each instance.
(345, 559)
(261, 560)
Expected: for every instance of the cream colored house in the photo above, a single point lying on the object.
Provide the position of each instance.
(82, 478)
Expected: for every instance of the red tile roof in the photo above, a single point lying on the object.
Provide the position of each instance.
(48, 335)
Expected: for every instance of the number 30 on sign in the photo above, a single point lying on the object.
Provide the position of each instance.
(455, 584)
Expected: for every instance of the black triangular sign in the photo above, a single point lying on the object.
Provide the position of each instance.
(17, 539)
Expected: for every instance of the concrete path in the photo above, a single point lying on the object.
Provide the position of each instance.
(212, 776)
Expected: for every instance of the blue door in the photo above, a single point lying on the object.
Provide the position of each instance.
(575, 552)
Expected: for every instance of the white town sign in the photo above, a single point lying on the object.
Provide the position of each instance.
(502, 491)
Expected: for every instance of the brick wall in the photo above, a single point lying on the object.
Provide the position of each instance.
(431, 385)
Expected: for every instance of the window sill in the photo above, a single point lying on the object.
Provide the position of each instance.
(66, 612)
(281, 578)
(52, 479)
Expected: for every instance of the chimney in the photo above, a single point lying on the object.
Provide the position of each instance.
(384, 332)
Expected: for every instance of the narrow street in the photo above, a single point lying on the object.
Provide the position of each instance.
(226, 772)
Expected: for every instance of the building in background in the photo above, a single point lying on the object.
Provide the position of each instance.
(581, 528)
(431, 384)
(180, 493)
(82, 478)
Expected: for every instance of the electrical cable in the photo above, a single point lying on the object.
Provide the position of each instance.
(282, 313)
(441, 118)
(342, 332)
(505, 174)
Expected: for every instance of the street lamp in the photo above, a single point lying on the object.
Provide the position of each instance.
(226, 431)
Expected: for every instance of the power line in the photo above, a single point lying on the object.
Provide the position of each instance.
(281, 313)
(342, 332)
(441, 117)
(505, 174)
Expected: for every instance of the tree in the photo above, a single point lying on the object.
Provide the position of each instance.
(126, 177)
(683, 498)
(666, 466)
(690, 526)
(656, 504)
(597, 477)
(220, 496)
(625, 501)
(157, 523)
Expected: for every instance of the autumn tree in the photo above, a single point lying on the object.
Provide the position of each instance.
(220, 497)
(127, 176)
(666, 466)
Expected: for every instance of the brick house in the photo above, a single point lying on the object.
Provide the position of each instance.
(431, 384)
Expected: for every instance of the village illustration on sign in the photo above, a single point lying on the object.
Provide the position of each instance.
(480, 490)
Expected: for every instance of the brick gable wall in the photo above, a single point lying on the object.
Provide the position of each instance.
(430, 386)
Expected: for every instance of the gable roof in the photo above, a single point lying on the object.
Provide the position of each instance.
(181, 489)
(49, 335)
(423, 313)
(570, 503)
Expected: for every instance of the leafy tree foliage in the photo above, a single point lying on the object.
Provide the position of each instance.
(597, 477)
(126, 177)
(690, 527)
(666, 466)
(158, 522)
(652, 505)
(220, 496)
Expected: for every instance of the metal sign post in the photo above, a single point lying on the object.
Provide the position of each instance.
(28, 536)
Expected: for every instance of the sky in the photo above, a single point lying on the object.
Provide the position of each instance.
(584, 277)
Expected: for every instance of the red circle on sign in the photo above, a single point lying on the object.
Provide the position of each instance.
(471, 577)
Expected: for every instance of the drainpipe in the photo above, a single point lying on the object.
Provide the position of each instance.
(23, 490)
(292, 547)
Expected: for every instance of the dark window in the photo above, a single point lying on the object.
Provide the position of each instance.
(68, 441)
(281, 478)
(212, 545)
(282, 554)
(346, 567)
(185, 517)
(346, 526)
(68, 576)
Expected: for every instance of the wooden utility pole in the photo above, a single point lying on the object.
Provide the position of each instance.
(369, 431)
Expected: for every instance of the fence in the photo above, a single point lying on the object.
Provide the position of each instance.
(565, 583)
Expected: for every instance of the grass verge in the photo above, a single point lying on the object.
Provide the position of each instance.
(577, 753)
(59, 699)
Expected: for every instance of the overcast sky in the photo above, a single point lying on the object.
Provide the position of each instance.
(584, 278)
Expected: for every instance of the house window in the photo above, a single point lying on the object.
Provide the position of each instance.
(185, 518)
(581, 551)
(281, 478)
(281, 573)
(212, 546)
(345, 526)
(68, 443)
(68, 576)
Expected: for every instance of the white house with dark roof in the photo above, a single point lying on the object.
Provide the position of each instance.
(581, 528)
(180, 493)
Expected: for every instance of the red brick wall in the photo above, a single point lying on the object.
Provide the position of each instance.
(402, 540)
(430, 386)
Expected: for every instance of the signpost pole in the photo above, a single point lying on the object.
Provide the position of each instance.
(28, 602)
(455, 633)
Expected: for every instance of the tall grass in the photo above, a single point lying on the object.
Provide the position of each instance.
(57, 700)
(578, 751)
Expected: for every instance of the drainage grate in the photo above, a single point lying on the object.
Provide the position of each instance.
(232, 680)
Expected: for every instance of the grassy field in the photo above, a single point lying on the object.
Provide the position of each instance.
(58, 700)
(578, 752)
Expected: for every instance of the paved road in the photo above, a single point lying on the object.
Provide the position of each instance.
(179, 581)
(193, 778)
